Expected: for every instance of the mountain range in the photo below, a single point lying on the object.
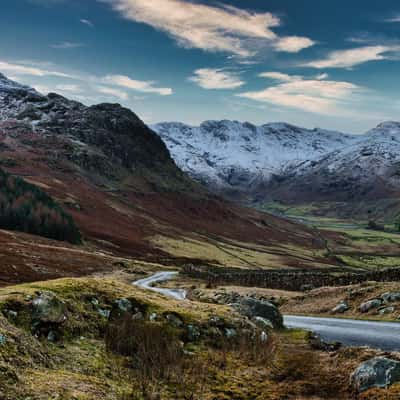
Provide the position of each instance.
(282, 162)
(116, 178)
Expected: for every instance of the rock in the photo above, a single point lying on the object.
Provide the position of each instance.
(48, 309)
(390, 297)
(95, 302)
(230, 333)
(52, 336)
(317, 343)
(11, 314)
(174, 320)
(193, 333)
(103, 312)
(369, 305)
(138, 316)
(216, 321)
(386, 310)
(264, 337)
(153, 317)
(379, 372)
(263, 323)
(124, 305)
(341, 307)
(260, 308)
(3, 339)
(120, 308)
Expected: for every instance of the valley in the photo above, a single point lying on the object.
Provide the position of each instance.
(83, 310)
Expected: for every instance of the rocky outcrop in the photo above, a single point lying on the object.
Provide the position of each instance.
(252, 308)
(378, 372)
(100, 138)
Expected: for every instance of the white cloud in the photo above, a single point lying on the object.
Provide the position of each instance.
(20, 69)
(293, 44)
(352, 57)
(67, 45)
(278, 76)
(311, 95)
(113, 92)
(321, 77)
(394, 19)
(209, 78)
(69, 88)
(139, 86)
(220, 28)
(87, 22)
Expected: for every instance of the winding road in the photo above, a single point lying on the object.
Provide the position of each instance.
(147, 283)
(350, 332)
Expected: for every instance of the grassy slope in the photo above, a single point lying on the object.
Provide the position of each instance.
(79, 367)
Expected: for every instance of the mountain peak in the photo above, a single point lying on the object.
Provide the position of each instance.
(7, 85)
(389, 125)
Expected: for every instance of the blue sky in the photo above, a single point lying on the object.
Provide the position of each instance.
(332, 64)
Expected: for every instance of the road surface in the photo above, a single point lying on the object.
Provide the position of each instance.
(147, 283)
(350, 332)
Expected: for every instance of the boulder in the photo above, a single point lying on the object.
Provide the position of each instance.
(260, 308)
(193, 333)
(369, 305)
(390, 297)
(341, 307)
(386, 310)
(378, 372)
(174, 320)
(48, 309)
(124, 305)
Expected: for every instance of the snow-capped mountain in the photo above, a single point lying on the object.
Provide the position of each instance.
(284, 161)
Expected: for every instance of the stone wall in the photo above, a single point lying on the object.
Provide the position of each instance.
(294, 280)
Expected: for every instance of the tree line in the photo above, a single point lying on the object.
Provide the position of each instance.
(25, 207)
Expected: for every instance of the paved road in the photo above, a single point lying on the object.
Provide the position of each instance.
(350, 332)
(380, 335)
(147, 283)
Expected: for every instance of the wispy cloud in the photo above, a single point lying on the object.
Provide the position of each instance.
(21, 69)
(87, 22)
(395, 18)
(279, 76)
(311, 95)
(139, 86)
(69, 88)
(209, 78)
(221, 28)
(67, 45)
(113, 92)
(352, 57)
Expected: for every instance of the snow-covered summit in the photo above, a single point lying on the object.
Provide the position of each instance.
(230, 155)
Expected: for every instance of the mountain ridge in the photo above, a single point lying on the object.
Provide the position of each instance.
(285, 162)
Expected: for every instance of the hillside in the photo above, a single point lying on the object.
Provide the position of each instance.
(118, 181)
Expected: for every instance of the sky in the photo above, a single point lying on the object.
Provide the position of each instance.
(329, 64)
